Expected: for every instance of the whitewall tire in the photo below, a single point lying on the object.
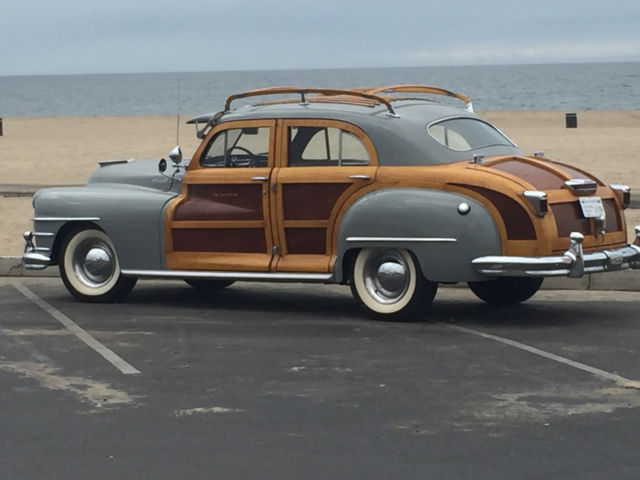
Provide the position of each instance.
(389, 284)
(90, 269)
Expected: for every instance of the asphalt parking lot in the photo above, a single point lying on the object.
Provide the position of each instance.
(292, 381)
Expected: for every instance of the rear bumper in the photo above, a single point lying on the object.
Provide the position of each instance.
(573, 263)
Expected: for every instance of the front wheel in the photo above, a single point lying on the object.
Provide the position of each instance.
(388, 283)
(90, 269)
(504, 291)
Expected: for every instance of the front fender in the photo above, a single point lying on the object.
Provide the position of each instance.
(426, 222)
(132, 216)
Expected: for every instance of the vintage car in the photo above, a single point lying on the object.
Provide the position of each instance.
(382, 189)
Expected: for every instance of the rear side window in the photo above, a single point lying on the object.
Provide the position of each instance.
(464, 134)
(325, 146)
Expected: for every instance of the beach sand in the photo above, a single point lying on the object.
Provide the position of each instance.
(65, 150)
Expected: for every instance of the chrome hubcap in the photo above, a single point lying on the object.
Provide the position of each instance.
(94, 264)
(387, 277)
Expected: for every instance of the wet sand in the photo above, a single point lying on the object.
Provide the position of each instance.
(65, 150)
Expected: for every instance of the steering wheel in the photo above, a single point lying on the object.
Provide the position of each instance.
(245, 162)
(245, 150)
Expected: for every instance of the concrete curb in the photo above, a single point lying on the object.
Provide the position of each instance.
(12, 267)
(626, 280)
(24, 190)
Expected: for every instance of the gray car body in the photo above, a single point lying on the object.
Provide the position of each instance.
(128, 199)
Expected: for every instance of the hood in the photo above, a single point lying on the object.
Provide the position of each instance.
(143, 173)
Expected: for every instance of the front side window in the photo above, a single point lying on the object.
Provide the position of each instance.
(464, 134)
(325, 146)
(238, 147)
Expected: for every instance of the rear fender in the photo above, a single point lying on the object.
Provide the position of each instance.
(429, 223)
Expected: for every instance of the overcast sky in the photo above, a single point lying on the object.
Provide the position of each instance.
(116, 36)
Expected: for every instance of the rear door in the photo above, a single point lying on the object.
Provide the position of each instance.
(322, 164)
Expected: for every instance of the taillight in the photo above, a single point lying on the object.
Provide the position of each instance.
(623, 192)
(538, 200)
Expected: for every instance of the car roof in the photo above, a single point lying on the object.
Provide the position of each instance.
(398, 133)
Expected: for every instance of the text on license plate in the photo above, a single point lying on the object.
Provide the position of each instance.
(592, 207)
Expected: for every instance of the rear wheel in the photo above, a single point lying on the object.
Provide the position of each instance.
(389, 284)
(506, 290)
(90, 269)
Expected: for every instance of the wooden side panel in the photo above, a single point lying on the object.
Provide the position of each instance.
(311, 201)
(306, 240)
(239, 240)
(222, 202)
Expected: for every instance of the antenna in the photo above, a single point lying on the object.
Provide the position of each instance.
(178, 114)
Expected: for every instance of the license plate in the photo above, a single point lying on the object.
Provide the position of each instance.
(592, 207)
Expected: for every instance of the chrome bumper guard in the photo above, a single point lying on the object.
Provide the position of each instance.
(573, 263)
(31, 259)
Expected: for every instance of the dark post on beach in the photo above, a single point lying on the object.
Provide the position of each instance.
(571, 120)
(0, 126)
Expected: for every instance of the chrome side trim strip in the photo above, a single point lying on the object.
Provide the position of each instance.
(43, 234)
(263, 276)
(65, 219)
(402, 239)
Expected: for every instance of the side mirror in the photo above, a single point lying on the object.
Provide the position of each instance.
(176, 155)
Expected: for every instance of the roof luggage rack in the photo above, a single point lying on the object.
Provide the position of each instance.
(368, 97)
(327, 92)
(373, 94)
(421, 89)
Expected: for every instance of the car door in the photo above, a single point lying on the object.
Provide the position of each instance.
(221, 219)
(322, 164)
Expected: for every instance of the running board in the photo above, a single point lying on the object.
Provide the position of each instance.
(248, 276)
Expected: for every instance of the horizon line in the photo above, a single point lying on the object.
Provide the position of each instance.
(386, 67)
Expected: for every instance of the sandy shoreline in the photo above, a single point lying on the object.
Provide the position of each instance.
(65, 150)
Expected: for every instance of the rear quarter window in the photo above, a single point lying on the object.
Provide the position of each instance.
(464, 134)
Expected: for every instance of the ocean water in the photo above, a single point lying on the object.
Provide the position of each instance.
(568, 87)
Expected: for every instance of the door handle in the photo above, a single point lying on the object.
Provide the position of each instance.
(260, 179)
(360, 177)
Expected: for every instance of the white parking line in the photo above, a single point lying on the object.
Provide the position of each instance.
(622, 381)
(79, 332)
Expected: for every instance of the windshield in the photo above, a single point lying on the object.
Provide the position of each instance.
(464, 134)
